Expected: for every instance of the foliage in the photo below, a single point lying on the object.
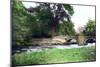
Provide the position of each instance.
(53, 14)
(69, 8)
(40, 21)
(21, 24)
(42, 25)
(55, 56)
(90, 28)
(66, 28)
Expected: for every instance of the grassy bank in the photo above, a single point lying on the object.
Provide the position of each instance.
(55, 56)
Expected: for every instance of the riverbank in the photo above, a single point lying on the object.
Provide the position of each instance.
(41, 48)
(55, 55)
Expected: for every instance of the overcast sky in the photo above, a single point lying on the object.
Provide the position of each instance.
(80, 16)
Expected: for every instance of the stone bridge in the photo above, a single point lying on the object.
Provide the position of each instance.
(63, 40)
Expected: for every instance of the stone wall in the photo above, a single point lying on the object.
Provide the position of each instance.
(50, 41)
(58, 40)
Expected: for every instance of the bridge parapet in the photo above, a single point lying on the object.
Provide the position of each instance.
(80, 39)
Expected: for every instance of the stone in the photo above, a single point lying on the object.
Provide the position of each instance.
(81, 40)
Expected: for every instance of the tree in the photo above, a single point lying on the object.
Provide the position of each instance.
(90, 28)
(54, 12)
(21, 22)
(42, 20)
(66, 28)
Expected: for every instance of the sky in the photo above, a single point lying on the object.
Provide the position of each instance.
(80, 16)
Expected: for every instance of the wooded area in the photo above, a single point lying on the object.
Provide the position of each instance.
(43, 21)
(45, 34)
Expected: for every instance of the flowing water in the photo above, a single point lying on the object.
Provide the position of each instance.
(41, 48)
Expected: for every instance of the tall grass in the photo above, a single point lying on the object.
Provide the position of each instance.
(55, 56)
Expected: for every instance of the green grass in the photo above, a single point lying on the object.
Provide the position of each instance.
(55, 56)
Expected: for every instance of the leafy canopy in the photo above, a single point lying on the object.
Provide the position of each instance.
(40, 21)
